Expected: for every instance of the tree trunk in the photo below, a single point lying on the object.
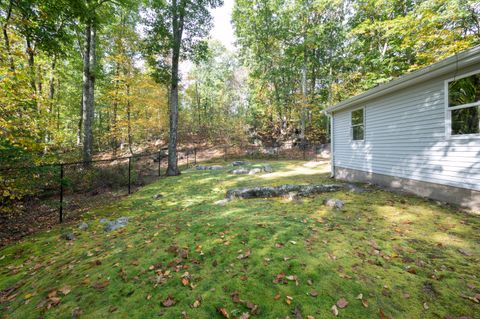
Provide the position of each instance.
(31, 64)
(129, 121)
(177, 24)
(199, 119)
(303, 111)
(89, 60)
(115, 114)
(80, 124)
(172, 169)
(51, 95)
(6, 38)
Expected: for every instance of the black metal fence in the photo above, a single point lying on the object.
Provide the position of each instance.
(39, 196)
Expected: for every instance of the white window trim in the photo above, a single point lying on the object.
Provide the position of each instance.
(448, 111)
(351, 125)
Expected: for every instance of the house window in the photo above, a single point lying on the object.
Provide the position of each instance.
(464, 105)
(358, 124)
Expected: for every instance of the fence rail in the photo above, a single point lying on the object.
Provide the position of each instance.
(68, 189)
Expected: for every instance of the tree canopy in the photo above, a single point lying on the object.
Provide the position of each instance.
(81, 78)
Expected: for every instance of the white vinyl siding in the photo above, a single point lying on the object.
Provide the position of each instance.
(405, 137)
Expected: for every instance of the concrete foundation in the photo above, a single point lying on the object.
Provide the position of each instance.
(466, 198)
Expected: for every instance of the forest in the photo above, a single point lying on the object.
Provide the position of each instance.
(81, 78)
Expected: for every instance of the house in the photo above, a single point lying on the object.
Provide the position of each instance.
(419, 133)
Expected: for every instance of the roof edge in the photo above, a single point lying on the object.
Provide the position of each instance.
(457, 61)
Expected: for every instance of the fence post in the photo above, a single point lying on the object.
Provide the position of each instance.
(61, 192)
(195, 153)
(129, 173)
(225, 153)
(188, 154)
(159, 163)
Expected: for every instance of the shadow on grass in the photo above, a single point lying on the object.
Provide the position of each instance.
(368, 248)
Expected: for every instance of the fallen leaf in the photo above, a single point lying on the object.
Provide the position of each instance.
(223, 312)
(28, 296)
(277, 296)
(196, 304)
(101, 285)
(365, 303)
(52, 294)
(425, 306)
(360, 296)
(382, 315)
(279, 278)
(253, 308)
(236, 297)
(464, 252)
(334, 310)
(168, 302)
(412, 271)
(77, 313)
(288, 300)
(342, 303)
(65, 290)
(245, 255)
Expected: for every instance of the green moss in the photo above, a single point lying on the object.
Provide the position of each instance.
(365, 249)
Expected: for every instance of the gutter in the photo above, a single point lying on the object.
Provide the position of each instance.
(450, 64)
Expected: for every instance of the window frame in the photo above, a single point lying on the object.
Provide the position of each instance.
(448, 110)
(352, 125)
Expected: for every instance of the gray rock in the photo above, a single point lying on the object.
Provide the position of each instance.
(103, 221)
(292, 196)
(334, 203)
(83, 226)
(271, 150)
(254, 171)
(122, 220)
(355, 189)
(238, 163)
(222, 202)
(68, 236)
(116, 224)
(157, 196)
(277, 191)
(267, 168)
(209, 168)
(241, 171)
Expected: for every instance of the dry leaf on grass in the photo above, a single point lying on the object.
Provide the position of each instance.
(222, 311)
(169, 302)
(342, 303)
(245, 255)
(334, 310)
(65, 290)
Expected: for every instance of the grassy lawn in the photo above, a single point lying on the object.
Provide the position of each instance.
(182, 256)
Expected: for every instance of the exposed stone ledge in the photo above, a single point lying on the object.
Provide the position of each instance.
(278, 191)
